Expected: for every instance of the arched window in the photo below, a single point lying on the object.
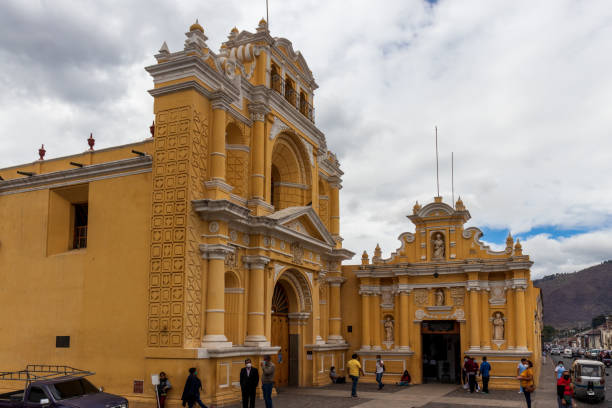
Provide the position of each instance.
(276, 81)
(237, 160)
(290, 173)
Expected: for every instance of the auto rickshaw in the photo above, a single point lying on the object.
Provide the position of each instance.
(589, 380)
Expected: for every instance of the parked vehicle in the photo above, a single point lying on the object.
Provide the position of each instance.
(50, 386)
(567, 353)
(589, 380)
(593, 354)
(575, 352)
(555, 350)
(607, 359)
(581, 352)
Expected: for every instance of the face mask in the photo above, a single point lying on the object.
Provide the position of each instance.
(249, 365)
(566, 377)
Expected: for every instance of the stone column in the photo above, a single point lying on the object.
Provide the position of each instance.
(335, 207)
(474, 320)
(404, 298)
(256, 312)
(510, 320)
(220, 104)
(375, 319)
(258, 115)
(365, 320)
(485, 339)
(214, 336)
(335, 318)
(521, 330)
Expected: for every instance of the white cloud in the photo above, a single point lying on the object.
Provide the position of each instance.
(519, 90)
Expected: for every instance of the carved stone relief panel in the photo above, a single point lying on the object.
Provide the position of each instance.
(458, 296)
(421, 297)
(497, 295)
(387, 298)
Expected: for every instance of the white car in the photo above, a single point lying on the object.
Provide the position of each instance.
(555, 350)
(567, 353)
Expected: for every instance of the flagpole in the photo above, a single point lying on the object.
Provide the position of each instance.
(437, 167)
(267, 17)
(453, 176)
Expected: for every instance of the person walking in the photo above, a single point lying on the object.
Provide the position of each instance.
(559, 369)
(522, 366)
(485, 370)
(380, 369)
(355, 369)
(471, 369)
(267, 380)
(162, 388)
(249, 380)
(561, 384)
(191, 392)
(526, 379)
(464, 374)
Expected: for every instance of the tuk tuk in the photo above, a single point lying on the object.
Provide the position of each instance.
(589, 380)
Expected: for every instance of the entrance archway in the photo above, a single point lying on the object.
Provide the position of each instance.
(441, 351)
(280, 333)
(291, 309)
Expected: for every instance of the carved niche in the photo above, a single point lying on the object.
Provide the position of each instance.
(438, 246)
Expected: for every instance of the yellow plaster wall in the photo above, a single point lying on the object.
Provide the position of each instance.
(94, 295)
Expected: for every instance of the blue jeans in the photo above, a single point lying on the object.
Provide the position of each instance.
(267, 394)
(191, 403)
(354, 386)
(379, 380)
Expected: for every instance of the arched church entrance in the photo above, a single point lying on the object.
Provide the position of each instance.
(280, 333)
(291, 310)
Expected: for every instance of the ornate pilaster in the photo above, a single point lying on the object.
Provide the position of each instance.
(335, 317)
(215, 295)
(484, 320)
(474, 319)
(405, 316)
(256, 311)
(365, 319)
(521, 329)
(258, 115)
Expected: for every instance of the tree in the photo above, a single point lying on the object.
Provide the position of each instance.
(548, 333)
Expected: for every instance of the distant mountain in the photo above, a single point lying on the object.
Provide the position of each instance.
(573, 299)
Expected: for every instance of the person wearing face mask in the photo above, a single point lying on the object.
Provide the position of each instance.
(565, 391)
(249, 380)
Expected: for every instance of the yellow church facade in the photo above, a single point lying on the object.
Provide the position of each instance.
(218, 239)
(441, 296)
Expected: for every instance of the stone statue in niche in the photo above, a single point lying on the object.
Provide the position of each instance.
(439, 297)
(388, 325)
(438, 246)
(498, 326)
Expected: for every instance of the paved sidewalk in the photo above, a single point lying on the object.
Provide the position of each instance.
(425, 396)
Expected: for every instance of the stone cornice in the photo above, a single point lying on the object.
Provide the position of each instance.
(202, 90)
(255, 261)
(90, 171)
(215, 251)
(192, 65)
(447, 268)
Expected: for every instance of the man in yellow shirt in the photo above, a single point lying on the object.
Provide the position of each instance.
(354, 367)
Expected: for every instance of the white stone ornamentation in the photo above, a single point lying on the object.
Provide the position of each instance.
(213, 227)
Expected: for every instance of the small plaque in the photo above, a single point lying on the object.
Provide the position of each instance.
(138, 386)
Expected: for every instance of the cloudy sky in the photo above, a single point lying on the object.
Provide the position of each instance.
(520, 91)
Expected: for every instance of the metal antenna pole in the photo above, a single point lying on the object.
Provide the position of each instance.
(453, 176)
(437, 167)
(267, 17)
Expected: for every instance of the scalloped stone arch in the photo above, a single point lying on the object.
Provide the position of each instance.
(301, 288)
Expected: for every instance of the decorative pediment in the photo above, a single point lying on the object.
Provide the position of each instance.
(304, 221)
